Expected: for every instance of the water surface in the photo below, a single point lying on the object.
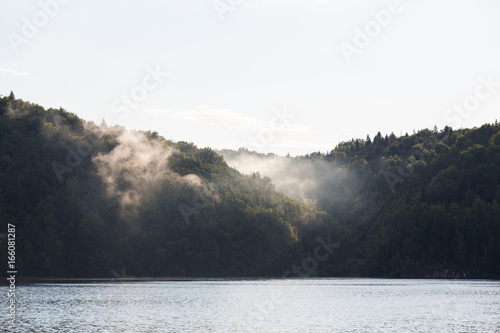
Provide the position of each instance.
(312, 305)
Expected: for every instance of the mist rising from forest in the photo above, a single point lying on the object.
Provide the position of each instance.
(136, 167)
(303, 178)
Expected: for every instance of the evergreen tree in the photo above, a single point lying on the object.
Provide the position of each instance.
(392, 138)
(377, 142)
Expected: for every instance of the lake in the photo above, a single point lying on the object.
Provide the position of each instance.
(306, 305)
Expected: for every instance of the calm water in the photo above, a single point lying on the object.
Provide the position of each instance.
(319, 305)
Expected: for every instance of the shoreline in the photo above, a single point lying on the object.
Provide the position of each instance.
(210, 279)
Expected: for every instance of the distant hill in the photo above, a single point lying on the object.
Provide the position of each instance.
(92, 201)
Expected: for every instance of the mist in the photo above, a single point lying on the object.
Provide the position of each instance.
(307, 179)
(136, 167)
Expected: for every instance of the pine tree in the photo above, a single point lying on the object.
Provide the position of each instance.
(392, 138)
(377, 141)
(12, 96)
(368, 142)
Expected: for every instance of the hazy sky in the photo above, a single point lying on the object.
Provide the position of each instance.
(338, 68)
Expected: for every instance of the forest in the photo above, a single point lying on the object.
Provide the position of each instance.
(88, 200)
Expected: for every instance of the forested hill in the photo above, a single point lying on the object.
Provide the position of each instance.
(91, 201)
(426, 200)
(419, 205)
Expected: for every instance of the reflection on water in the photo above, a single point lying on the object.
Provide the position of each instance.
(316, 305)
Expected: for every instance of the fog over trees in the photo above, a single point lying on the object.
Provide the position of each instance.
(89, 199)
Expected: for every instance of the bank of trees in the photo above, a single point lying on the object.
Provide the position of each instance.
(419, 203)
(199, 217)
(403, 206)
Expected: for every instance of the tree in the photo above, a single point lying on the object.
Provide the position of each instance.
(12, 96)
(368, 142)
(377, 141)
(392, 138)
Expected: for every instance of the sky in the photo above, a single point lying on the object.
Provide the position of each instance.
(282, 76)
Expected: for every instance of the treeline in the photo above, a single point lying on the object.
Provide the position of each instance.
(85, 204)
(424, 202)
(418, 205)
(88, 200)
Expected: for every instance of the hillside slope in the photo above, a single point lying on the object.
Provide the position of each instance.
(89, 200)
(419, 205)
